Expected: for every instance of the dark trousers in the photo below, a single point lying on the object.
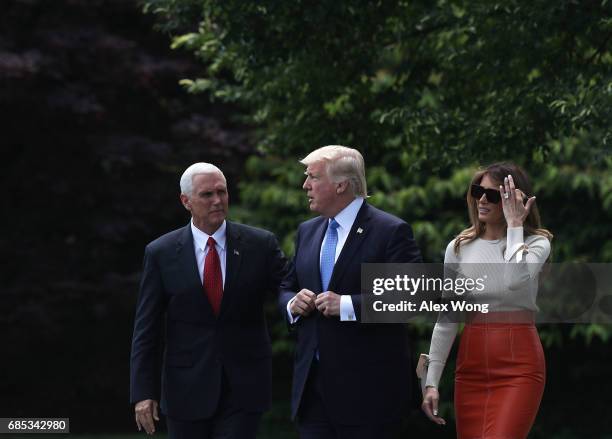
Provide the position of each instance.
(228, 422)
(314, 421)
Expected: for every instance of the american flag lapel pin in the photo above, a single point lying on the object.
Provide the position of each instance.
(359, 231)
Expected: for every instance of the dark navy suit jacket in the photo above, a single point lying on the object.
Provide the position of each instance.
(366, 369)
(199, 346)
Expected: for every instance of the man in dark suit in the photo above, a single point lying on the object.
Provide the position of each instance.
(204, 285)
(351, 380)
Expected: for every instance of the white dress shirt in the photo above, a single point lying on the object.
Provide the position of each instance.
(200, 243)
(345, 219)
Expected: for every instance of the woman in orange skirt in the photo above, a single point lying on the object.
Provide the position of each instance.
(500, 372)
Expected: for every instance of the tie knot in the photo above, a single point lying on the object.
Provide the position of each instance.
(211, 242)
(334, 224)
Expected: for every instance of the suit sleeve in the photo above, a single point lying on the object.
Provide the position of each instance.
(146, 342)
(277, 264)
(401, 248)
(289, 286)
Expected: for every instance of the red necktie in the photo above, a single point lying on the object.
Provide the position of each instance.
(213, 280)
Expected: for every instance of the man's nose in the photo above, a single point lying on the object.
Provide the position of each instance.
(306, 184)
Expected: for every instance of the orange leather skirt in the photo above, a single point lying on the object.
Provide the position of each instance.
(499, 379)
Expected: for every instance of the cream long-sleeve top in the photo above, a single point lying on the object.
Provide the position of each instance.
(513, 264)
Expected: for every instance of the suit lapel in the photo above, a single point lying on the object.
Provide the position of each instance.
(188, 266)
(354, 240)
(233, 258)
(313, 247)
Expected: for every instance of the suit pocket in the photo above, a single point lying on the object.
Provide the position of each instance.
(183, 359)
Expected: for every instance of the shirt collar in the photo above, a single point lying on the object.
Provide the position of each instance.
(200, 238)
(346, 217)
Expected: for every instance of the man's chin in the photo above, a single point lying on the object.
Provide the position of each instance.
(217, 221)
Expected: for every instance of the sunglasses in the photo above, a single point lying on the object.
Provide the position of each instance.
(493, 196)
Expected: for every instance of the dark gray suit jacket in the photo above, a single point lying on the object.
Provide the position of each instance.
(199, 346)
(366, 369)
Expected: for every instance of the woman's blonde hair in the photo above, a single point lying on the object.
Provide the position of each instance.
(497, 172)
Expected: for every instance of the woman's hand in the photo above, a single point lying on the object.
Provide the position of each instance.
(512, 202)
(430, 405)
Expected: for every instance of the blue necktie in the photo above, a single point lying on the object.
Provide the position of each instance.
(328, 255)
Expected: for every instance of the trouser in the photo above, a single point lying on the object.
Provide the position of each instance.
(228, 421)
(314, 421)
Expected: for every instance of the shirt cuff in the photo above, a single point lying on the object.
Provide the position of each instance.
(290, 317)
(347, 312)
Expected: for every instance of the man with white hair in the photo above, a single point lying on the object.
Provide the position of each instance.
(205, 284)
(350, 380)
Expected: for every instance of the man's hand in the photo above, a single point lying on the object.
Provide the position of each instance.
(303, 303)
(430, 405)
(146, 412)
(328, 303)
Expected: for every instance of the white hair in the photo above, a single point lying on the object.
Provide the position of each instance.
(342, 164)
(195, 169)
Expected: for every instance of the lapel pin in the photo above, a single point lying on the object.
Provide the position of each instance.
(236, 252)
(359, 231)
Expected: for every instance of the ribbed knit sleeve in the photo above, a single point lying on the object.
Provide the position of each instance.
(524, 257)
(444, 333)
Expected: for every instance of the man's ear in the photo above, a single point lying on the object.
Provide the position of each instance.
(342, 187)
(185, 202)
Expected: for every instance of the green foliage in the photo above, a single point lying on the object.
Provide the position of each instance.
(427, 91)
(441, 82)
